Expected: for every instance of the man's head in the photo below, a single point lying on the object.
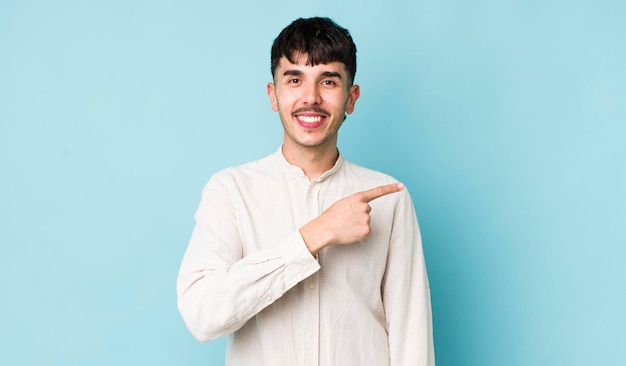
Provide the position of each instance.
(313, 66)
(319, 39)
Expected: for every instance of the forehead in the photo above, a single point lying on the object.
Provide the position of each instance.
(301, 65)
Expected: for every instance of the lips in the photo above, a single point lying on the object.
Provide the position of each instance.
(310, 118)
(310, 121)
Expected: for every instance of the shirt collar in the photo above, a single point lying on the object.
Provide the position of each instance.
(297, 171)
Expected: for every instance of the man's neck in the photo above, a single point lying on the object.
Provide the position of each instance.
(314, 161)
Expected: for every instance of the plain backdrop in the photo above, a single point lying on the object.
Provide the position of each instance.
(505, 119)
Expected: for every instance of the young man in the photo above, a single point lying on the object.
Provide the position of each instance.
(302, 257)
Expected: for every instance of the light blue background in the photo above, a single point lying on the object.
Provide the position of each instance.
(506, 120)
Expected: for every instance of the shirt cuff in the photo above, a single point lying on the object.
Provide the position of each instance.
(298, 257)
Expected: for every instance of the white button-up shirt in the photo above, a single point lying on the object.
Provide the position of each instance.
(247, 272)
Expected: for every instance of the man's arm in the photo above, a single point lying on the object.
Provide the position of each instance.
(406, 293)
(219, 289)
(347, 221)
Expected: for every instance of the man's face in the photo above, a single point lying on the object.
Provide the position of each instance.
(312, 101)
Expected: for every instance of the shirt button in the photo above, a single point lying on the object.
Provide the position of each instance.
(269, 299)
(311, 286)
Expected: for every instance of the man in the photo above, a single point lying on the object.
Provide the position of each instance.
(303, 258)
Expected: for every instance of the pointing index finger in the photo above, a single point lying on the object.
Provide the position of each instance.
(380, 191)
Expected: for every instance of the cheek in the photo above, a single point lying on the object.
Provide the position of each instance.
(349, 106)
(284, 102)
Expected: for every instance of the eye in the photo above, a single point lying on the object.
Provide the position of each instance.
(293, 81)
(329, 82)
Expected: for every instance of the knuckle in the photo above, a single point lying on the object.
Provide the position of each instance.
(357, 197)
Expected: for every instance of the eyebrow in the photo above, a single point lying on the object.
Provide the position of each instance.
(332, 74)
(294, 72)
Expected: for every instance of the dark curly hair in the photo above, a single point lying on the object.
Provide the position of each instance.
(320, 39)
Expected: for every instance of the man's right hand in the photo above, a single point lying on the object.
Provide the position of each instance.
(345, 222)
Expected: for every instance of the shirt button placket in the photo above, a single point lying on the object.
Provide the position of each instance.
(312, 297)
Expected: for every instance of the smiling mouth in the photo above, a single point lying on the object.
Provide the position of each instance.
(310, 122)
(310, 119)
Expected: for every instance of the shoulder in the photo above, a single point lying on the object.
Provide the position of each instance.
(252, 169)
(367, 176)
(246, 176)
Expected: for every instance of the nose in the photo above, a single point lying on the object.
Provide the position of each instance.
(311, 94)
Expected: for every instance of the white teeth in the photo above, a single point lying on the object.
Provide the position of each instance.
(310, 119)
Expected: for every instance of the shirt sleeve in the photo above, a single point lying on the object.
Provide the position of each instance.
(406, 293)
(218, 288)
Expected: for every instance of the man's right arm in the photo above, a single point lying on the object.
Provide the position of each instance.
(219, 289)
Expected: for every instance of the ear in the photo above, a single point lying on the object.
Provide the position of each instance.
(271, 92)
(355, 93)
